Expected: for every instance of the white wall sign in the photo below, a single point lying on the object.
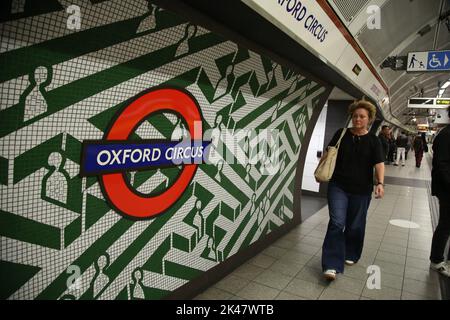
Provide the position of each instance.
(307, 23)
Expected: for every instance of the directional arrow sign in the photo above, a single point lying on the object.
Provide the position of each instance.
(428, 103)
(429, 61)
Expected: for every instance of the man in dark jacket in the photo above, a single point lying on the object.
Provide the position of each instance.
(384, 139)
(425, 143)
(418, 150)
(402, 142)
(440, 187)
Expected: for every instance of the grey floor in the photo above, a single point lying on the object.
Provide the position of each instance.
(310, 205)
(291, 267)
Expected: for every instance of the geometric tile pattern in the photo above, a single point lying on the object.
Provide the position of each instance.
(58, 87)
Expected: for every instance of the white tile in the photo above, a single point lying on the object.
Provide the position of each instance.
(305, 289)
(273, 279)
(255, 291)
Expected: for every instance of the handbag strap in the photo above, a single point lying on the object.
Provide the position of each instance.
(342, 135)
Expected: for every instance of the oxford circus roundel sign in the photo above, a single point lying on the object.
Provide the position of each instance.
(111, 157)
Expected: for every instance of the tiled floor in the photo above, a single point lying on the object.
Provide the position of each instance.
(291, 267)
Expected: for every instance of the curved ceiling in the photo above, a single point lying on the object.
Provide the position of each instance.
(405, 26)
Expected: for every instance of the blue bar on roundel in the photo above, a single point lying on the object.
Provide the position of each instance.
(100, 157)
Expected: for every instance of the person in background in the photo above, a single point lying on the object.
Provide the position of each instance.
(425, 144)
(401, 143)
(384, 139)
(408, 146)
(350, 190)
(440, 187)
(392, 148)
(418, 150)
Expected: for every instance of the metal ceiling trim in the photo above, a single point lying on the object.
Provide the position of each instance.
(351, 40)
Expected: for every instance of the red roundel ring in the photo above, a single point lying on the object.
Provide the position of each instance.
(114, 184)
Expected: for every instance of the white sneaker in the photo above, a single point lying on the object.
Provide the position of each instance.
(349, 262)
(330, 274)
(442, 267)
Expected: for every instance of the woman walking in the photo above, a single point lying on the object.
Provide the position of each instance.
(350, 190)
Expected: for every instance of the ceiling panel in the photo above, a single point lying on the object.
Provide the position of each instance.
(389, 75)
(421, 43)
(431, 85)
(399, 19)
(443, 37)
(400, 22)
(404, 81)
(349, 9)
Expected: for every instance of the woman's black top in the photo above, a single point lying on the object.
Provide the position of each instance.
(356, 158)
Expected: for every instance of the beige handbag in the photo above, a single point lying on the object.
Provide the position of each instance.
(325, 169)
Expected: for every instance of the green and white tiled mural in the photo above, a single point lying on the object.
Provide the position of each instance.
(60, 87)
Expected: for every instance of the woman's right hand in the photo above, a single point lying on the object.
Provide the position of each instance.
(379, 191)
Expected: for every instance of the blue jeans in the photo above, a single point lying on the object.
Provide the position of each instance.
(345, 234)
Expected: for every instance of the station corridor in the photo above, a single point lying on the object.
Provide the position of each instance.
(167, 150)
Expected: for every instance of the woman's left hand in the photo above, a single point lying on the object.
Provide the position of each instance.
(379, 191)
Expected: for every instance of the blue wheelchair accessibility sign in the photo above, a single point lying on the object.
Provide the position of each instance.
(438, 60)
(428, 61)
